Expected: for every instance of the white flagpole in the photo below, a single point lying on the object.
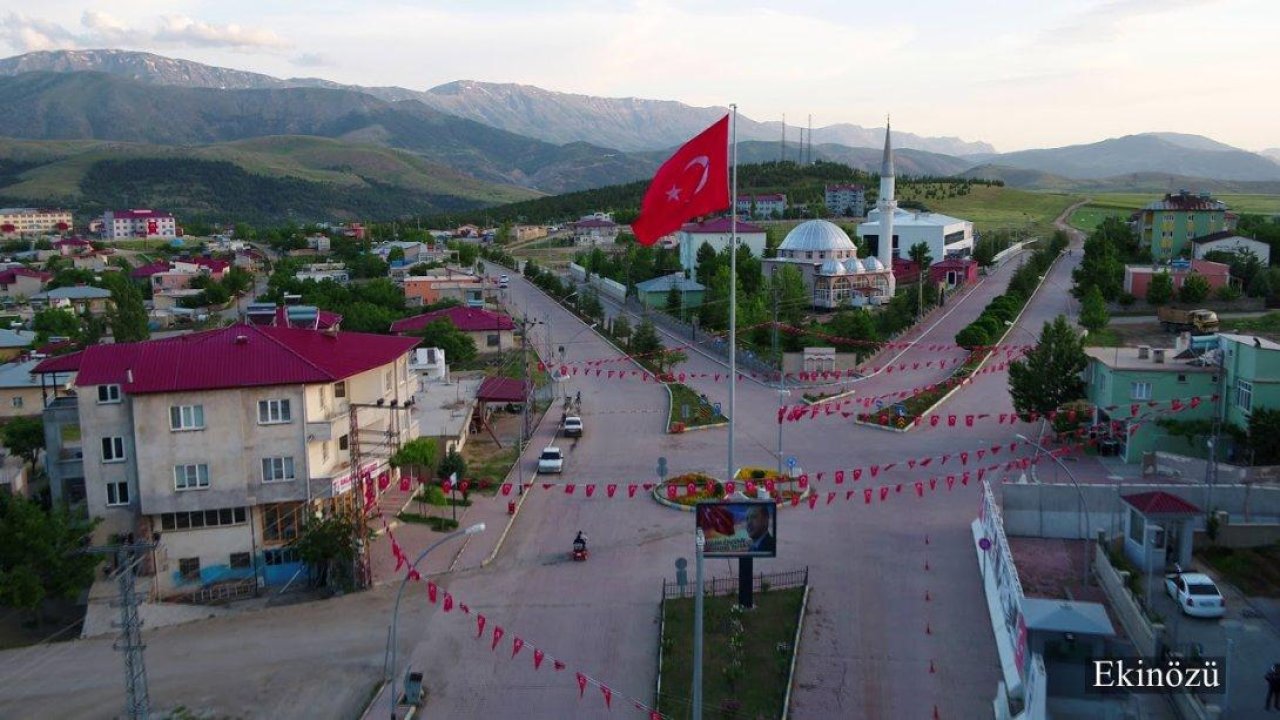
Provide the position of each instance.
(733, 287)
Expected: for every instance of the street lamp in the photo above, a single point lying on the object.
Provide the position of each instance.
(783, 394)
(1088, 524)
(700, 542)
(391, 639)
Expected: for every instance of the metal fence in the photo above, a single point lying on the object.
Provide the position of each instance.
(729, 585)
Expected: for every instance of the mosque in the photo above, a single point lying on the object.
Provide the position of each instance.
(828, 259)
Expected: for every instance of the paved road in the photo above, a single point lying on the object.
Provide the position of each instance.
(865, 649)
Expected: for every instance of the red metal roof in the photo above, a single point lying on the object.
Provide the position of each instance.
(8, 276)
(236, 356)
(1160, 503)
(464, 318)
(140, 213)
(719, 226)
(151, 268)
(499, 389)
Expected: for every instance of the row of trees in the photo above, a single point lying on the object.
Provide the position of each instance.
(991, 324)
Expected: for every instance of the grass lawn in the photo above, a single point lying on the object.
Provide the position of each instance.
(1266, 323)
(487, 462)
(1256, 571)
(768, 631)
(1240, 203)
(1088, 217)
(699, 413)
(1106, 337)
(999, 208)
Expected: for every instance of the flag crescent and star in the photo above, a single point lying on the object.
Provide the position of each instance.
(679, 192)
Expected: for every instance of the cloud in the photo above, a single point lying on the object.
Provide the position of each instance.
(29, 34)
(98, 29)
(313, 60)
(1106, 21)
(182, 30)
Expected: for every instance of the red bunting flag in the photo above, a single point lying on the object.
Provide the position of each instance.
(919, 489)
(951, 421)
(537, 658)
(751, 487)
(631, 491)
(582, 684)
(729, 487)
(857, 474)
(608, 696)
(813, 501)
(480, 621)
(866, 496)
(506, 488)
(448, 602)
(569, 488)
(516, 644)
(610, 489)
(804, 481)
(830, 497)
(557, 665)
(671, 492)
(591, 489)
(884, 493)
(964, 458)
(498, 632)
(404, 483)
(968, 420)
(875, 470)
(690, 489)
(839, 477)
(431, 592)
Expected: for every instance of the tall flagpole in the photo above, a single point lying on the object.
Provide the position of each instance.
(733, 287)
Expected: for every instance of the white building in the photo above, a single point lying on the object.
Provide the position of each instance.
(847, 200)
(225, 441)
(828, 261)
(32, 221)
(595, 231)
(762, 206)
(1230, 242)
(336, 272)
(717, 233)
(138, 223)
(945, 235)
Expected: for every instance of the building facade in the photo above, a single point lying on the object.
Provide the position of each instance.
(717, 234)
(20, 283)
(490, 331)
(765, 207)
(847, 200)
(1137, 278)
(828, 261)
(138, 223)
(1168, 226)
(1226, 241)
(33, 221)
(225, 441)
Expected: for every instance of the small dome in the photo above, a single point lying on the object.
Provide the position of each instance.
(832, 267)
(853, 265)
(872, 264)
(817, 235)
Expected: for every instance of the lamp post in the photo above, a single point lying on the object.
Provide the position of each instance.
(391, 638)
(700, 543)
(783, 394)
(1084, 507)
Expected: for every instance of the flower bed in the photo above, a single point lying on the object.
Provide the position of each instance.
(705, 487)
(920, 403)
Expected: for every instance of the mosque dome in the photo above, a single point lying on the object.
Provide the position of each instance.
(872, 264)
(817, 236)
(832, 267)
(854, 265)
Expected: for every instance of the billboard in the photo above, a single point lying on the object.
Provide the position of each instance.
(747, 528)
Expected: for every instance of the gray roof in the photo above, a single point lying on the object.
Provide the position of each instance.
(75, 292)
(664, 284)
(817, 235)
(18, 374)
(16, 338)
(1067, 616)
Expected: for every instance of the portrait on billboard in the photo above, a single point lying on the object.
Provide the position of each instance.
(739, 529)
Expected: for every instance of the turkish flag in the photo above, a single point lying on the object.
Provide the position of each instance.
(692, 182)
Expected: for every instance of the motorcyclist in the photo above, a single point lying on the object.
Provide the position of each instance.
(580, 543)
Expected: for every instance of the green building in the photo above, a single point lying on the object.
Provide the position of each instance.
(1169, 225)
(1241, 370)
(653, 293)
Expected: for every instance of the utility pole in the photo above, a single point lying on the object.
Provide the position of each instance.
(808, 158)
(137, 705)
(782, 148)
(1211, 466)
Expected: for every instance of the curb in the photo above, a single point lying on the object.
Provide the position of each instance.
(827, 398)
(697, 428)
(795, 653)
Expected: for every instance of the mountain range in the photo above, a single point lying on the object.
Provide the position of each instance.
(493, 142)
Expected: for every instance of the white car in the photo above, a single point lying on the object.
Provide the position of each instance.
(503, 281)
(1196, 594)
(573, 426)
(551, 460)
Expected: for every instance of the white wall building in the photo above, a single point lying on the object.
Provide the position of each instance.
(336, 272)
(138, 223)
(1230, 242)
(31, 221)
(762, 206)
(717, 233)
(847, 200)
(945, 235)
(224, 441)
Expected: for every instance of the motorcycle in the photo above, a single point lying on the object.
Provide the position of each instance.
(578, 554)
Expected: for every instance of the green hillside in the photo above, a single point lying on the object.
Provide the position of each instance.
(307, 178)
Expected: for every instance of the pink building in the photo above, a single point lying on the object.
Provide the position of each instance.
(954, 271)
(1137, 278)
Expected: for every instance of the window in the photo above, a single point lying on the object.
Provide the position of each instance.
(280, 556)
(112, 449)
(108, 394)
(277, 469)
(1137, 526)
(280, 522)
(190, 477)
(1244, 395)
(1140, 391)
(118, 493)
(208, 518)
(186, 417)
(239, 561)
(344, 443)
(1182, 378)
(189, 568)
(273, 411)
(17, 402)
(492, 340)
(340, 389)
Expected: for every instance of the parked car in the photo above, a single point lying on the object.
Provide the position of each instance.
(503, 281)
(1196, 594)
(551, 460)
(573, 426)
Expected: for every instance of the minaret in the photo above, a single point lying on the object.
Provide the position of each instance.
(887, 205)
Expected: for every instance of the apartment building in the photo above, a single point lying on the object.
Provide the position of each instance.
(138, 223)
(845, 199)
(224, 441)
(32, 221)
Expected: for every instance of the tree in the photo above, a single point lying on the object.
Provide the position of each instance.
(453, 464)
(665, 361)
(330, 546)
(1160, 291)
(793, 295)
(368, 266)
(705, 261)
(40, 554)
(920, 255)
(621, 327)
(1264, 436)
(458, 347)
(1195, 288)
(645, 339)
(394, 254)
(589, 304)
(418, 457)
(55, 323)
(1049, 375)
(129, 316)
(503, 235)
(24, 437)
(972, 336)
(675, 302)
(1093, 310)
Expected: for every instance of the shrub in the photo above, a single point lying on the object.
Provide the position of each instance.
(1228, 293)
(972, 336)
(1127, 299)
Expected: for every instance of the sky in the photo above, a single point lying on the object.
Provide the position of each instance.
(1012, 73)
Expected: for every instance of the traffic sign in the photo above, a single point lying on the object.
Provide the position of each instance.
(717, 408)
(879, 404)
(984, 544)
(662, 468)
(791, 461)
(900, 409)
(684, 411)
